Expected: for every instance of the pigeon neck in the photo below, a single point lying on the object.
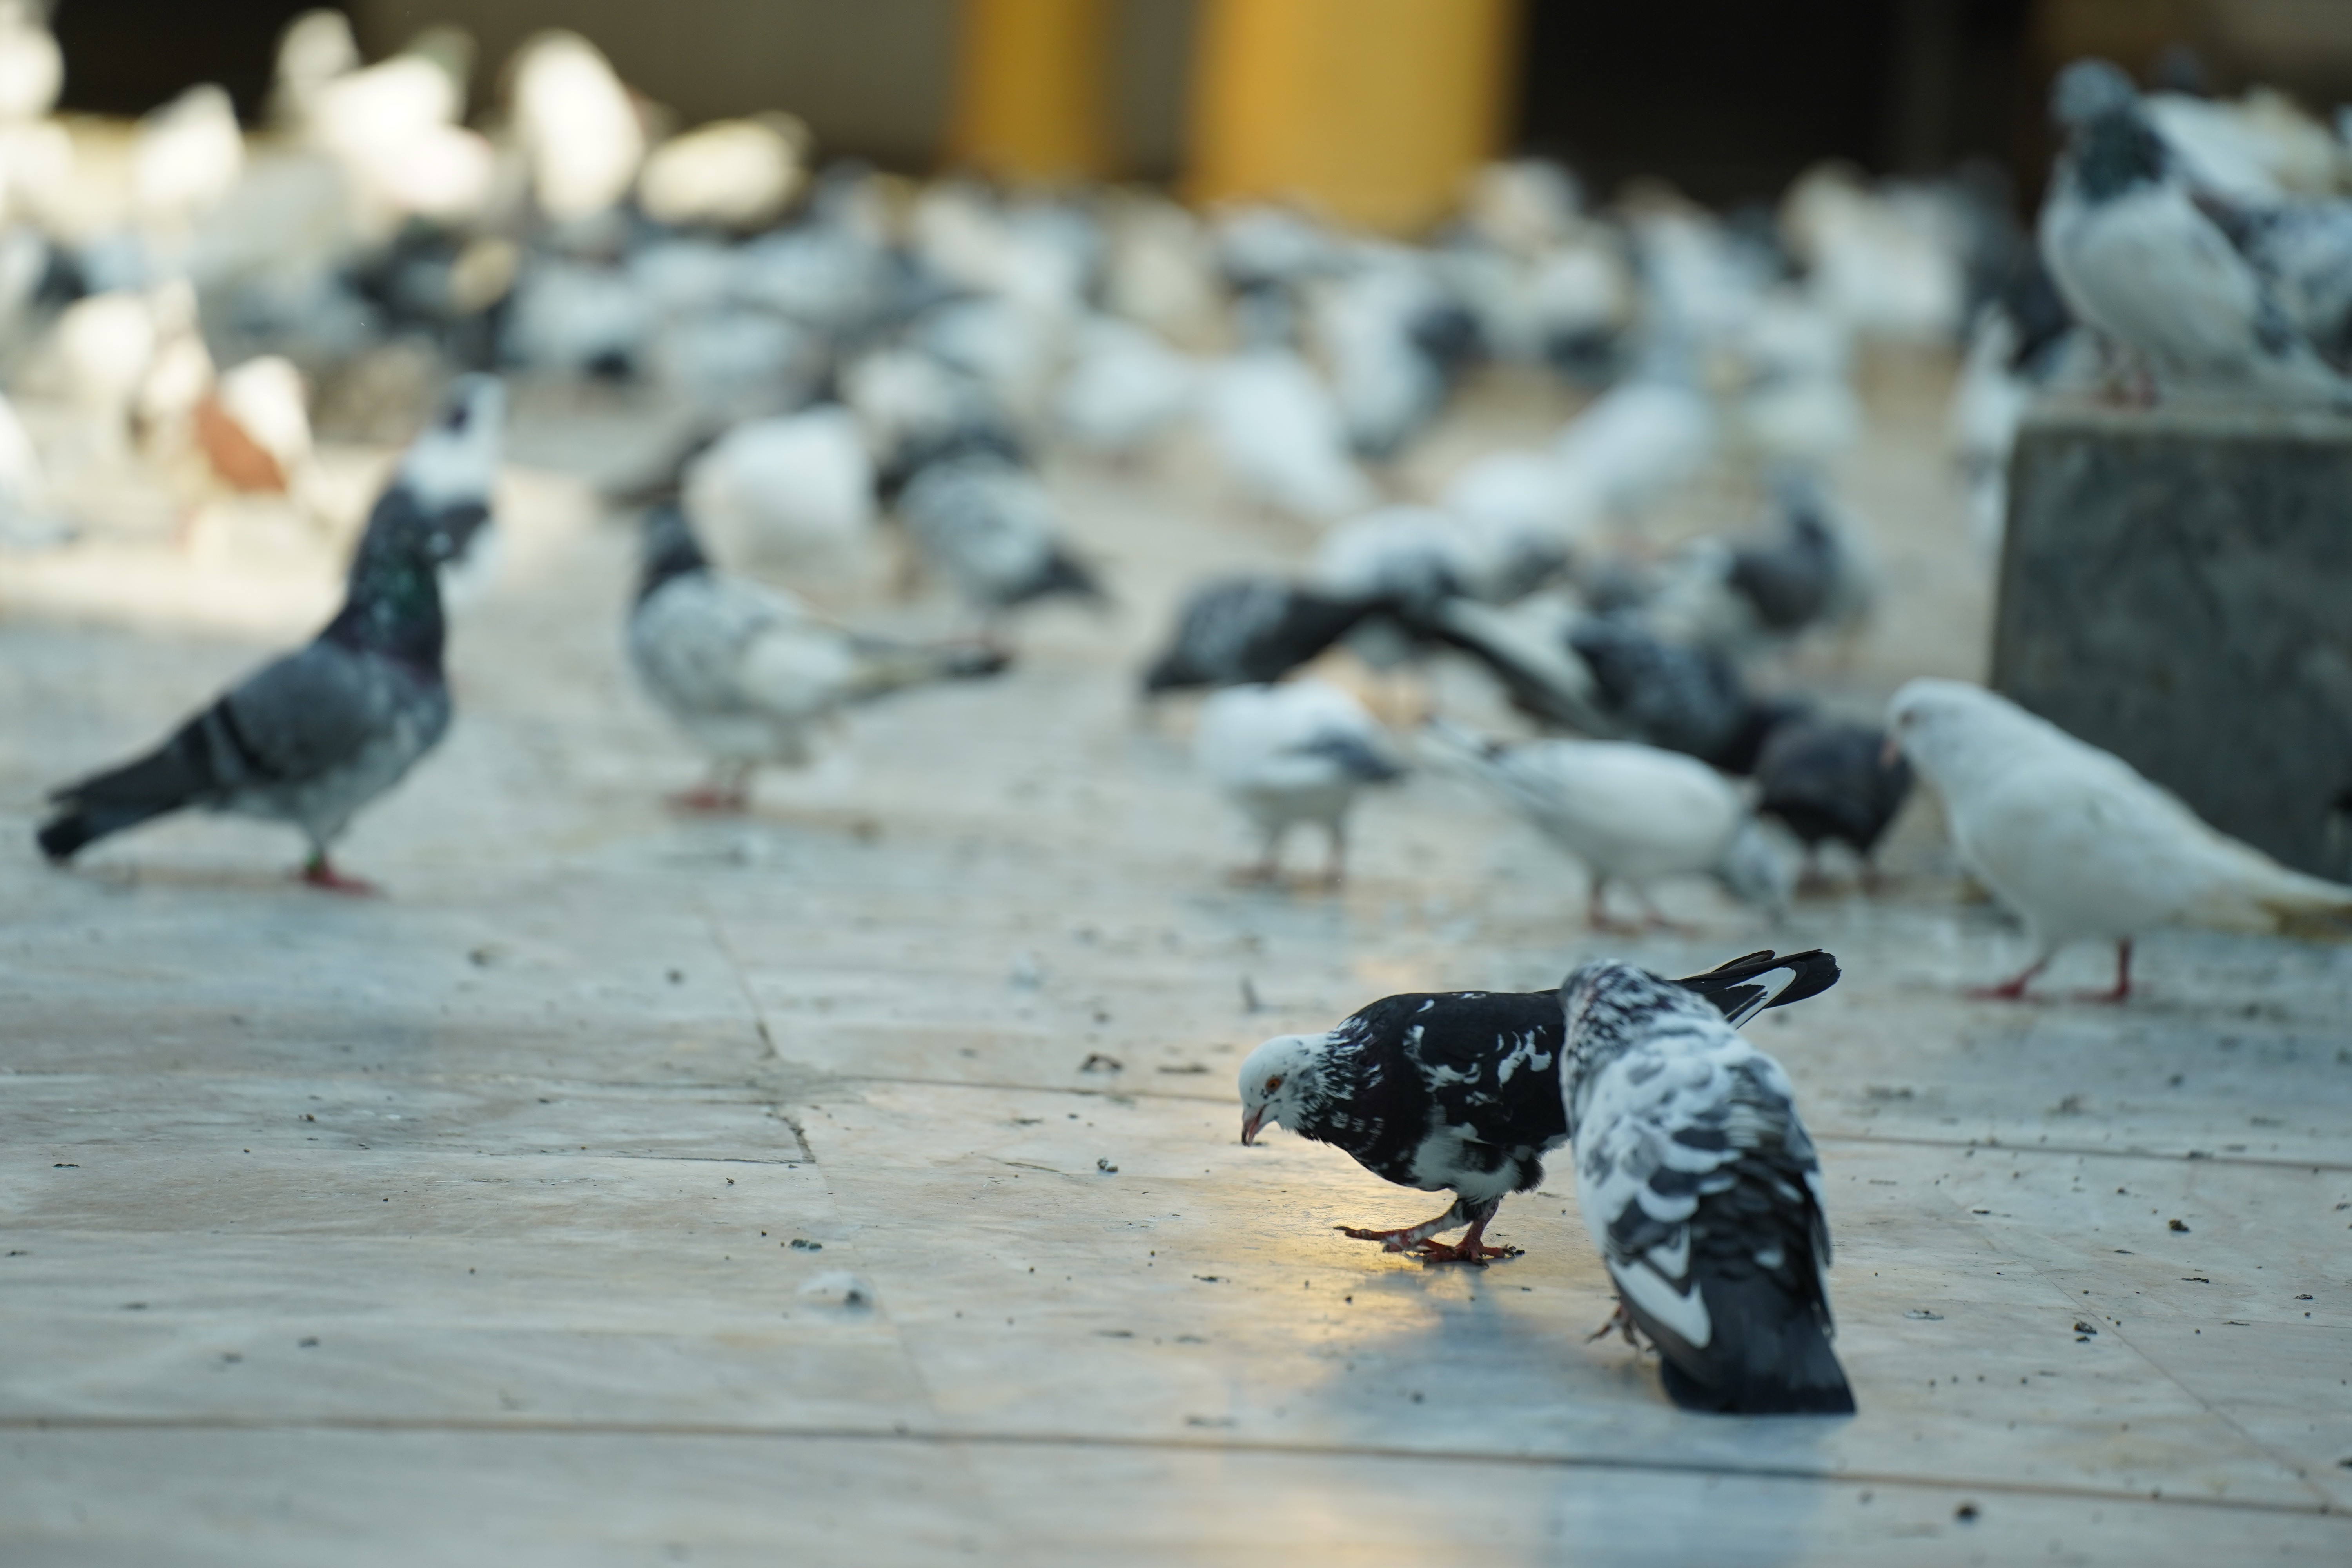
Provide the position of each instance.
(2116, 152)
(393, 606)
(671, 552)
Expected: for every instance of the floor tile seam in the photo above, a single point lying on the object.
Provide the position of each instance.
(2196, 1157)
(945, 1436)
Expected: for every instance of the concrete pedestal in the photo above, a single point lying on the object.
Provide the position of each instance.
(2176, 587)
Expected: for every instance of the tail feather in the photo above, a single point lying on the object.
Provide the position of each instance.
(180, 772)
(1769, 1355)
(1748, 984)
(884, 668)
(1549, 681)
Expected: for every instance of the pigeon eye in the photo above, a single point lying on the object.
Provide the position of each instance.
(1274, 1083)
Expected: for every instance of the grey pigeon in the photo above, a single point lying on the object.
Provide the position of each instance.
(1701, 1189)
(2136, 258)
(313, 737)
(747, 671)
(987, 525)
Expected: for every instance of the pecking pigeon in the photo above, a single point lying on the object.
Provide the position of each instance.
(746, 671)
(2138, 260)
(2080, 845)
(1825, 780)
(1700, 1187)
(1460, 1091)
(313, 737)
(1300, 752)
(1236, 630)
(1629, 813)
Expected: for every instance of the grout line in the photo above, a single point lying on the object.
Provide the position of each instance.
(903, 1433)
(2196, 1156)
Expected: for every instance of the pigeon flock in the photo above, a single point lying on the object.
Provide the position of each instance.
(852, 366)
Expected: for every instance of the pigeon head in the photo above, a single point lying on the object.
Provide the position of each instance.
(1281, 1081)
(666, 549)
(1957, 734)
(1608, 1003)
(2089, 88)
(456, 460)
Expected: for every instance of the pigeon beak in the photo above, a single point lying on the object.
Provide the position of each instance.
(1889, 754)
(1250, 1124)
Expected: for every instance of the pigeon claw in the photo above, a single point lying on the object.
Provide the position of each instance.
(1621, 1322)
(1467, 1250)
(710, 801)
(320, 872)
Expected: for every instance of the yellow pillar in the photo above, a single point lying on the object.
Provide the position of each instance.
(1030, 89)
(1371, 110)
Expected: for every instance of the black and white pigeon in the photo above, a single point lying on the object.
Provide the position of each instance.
(313, 737)
(1828, 780)
(1239, 631)
(987, 526)
(747, 671)
(1460, 1091)
(1699, 1186)
(2138, 258)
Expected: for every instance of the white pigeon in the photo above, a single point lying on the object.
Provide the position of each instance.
(737, 175)
(316, 48)
(1299, 751)
(1124, 389)
(577, 125)
(2080, 845)
(27, 519)
(1701, 1190)
(394, 129)
(187, 157)
(1629, 813)
(104, 344)
(2137, 259)
(1638, 440)
(1279, 434)
(795, 489)
(32, 67)
(747, 672)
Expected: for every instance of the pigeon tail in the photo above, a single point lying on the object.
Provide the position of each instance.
(1063, 574)
(1748, 985)
(180, 772)
(1770, 1355)
(886, 667)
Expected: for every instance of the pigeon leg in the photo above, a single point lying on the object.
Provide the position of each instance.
(1471, 1248)
(1654, 919)
(1810, 882)
(1268, 869)
(2121, 991)
(1596, 909)
(1621, 1322)
(1335, 870)
(318, 872)
(728, 790)
(2014, 988)
(1411, 1235)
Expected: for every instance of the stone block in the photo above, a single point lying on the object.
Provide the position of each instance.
(2176, 585)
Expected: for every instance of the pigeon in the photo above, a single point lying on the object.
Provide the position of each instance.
(1279, 434)
(1700, 1187)
(737, 175)
(1808, 573)
(2080, 845)
(795, 489)
(986, 524)
(1686, 700)
(1629, 813)
(314, 736)
(749, 673)
(1640, 438)
(1237, 631)
(1395, 341)
(1526, 649)
(1125, 388)
(1460, 1091)
(2142, 265)
(1419, 555)
(1826, 780)
(2304, 252)
(1296, 752)
(576, 124)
